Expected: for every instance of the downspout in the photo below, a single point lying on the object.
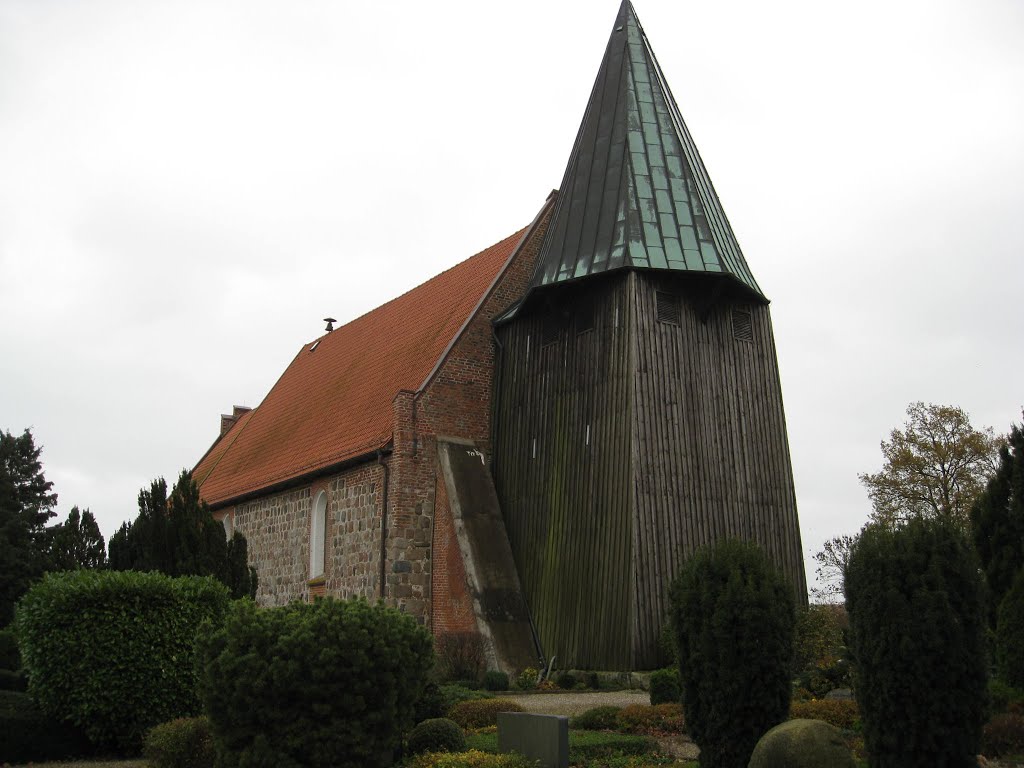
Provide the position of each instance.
(499, 375)
(383, 524)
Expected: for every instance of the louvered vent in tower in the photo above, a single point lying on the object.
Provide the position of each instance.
(669, 310)
(742, 325)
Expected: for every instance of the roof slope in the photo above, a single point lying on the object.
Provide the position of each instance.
(635, 192)
(334, 402)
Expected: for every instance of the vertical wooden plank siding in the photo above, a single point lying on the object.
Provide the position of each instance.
(562, 441)
(710, 436)
(687, 445)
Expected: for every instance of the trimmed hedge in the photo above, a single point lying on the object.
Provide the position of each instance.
(328, 683)
(481, 713)
(733, 613)
(113, 652)
(917, 633)
(605, 718)
(651, 718)
(181, 743)
(28, 735)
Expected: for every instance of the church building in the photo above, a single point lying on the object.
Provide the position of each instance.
(530, 444)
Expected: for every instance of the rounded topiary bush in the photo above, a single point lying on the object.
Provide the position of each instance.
(733, 614)
(665, 686)
(435, 735)
(917, 634)
(329, 683)
(1010, 634)
(113, 652)
(481, 713)
(802, 744)
(181, 743)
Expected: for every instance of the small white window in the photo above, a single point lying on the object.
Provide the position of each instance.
(317, 535)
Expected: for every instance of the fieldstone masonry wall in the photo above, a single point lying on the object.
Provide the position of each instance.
(353, 534)
(277, 529)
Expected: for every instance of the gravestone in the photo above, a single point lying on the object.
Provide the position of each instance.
(544, 738)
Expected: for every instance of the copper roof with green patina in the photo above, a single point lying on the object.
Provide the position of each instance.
(635, 192)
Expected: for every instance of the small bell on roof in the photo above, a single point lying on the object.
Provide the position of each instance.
(330, 323)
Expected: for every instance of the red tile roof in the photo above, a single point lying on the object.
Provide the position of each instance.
(334, 402)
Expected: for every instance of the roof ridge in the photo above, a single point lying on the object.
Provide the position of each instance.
(416, 287)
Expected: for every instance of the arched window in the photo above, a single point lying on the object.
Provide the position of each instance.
(317, 535)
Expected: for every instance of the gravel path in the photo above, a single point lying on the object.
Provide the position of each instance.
(576, 702)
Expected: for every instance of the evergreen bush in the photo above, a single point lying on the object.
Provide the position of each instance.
(329, 683)
(495, 680)
(181, 743)
(481, 713)
(1010, 635)
(435, 735)
(917, 634)
(113, 653)
(733, 614)
(665, 686)
(430, 704)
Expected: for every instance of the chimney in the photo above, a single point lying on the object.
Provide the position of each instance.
(228, 421)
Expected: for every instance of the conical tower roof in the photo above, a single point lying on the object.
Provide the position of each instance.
(636, 193)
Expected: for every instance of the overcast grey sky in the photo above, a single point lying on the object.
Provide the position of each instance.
(186, 188)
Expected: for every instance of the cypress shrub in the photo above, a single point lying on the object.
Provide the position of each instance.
(329, 683)
(917, 633)
(1010, 635)
(733, 614)
(113, 653)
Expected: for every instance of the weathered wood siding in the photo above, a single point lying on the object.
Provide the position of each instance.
(687, 445)
(562, 433)
(709, 436)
